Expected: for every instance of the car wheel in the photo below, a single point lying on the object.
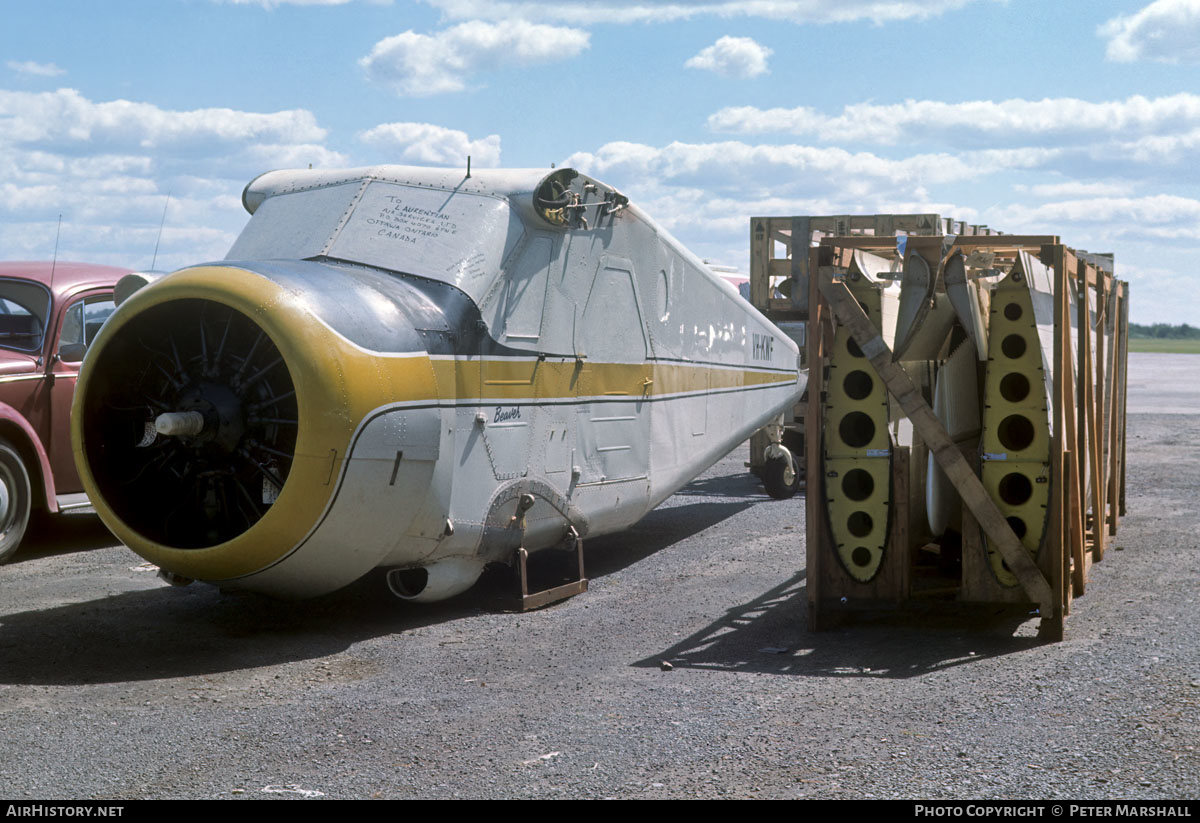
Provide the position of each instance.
(781, 476)
(14, 500)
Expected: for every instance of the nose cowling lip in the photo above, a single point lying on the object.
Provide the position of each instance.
(242, 492)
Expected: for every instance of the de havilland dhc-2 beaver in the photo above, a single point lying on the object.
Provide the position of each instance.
(421, 370)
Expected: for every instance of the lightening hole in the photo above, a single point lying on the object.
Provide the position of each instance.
(1018, 526)
(1013, 346)
(1015, 489)
(1015, 432)
(857, 429)
(858, 385)
(1014, 387)
(858, 484)
(860, 524)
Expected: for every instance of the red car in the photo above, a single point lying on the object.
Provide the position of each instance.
(49, 314)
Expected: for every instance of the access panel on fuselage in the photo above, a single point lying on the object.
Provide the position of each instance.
(614, 418)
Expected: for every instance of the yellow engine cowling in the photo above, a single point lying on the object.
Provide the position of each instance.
(252, 499)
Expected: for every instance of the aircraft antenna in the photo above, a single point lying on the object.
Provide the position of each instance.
(468, 167)
(158, 239)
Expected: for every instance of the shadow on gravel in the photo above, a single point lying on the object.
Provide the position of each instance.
(51, 534)
(168, 632)
(661, 528)
(742, 485)
(769, 635)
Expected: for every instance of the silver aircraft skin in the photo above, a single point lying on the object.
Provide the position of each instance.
(417, 369)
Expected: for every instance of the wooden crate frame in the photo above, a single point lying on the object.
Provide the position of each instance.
(765, 232)
(765, 266)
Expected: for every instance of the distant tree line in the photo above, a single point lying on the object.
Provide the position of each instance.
(1163, 331)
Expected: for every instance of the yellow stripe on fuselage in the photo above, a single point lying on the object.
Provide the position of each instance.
(519, 379)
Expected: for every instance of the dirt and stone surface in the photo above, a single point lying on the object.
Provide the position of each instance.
(114, 685)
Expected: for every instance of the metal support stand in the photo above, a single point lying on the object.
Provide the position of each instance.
(557, 593)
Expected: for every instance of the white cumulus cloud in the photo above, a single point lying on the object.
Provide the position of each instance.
(1006, 120)
(587, 12)
(733, 57)
(36, 69)
(425, 143)
(734, 167)
(1162, 215)
(66, 116)
(108, 166)
(1162, 149)
(419, 65)
(1165, 30)
(1073, 189)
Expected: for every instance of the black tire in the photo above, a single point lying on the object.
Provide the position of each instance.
(15, 500)
(775, 476)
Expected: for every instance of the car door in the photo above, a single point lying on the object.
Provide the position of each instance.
(81, 320)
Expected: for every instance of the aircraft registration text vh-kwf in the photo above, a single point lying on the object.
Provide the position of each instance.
(420, 370)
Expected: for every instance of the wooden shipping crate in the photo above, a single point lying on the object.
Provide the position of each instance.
(1080, 483)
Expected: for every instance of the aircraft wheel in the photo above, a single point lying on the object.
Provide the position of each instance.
(781, 476)
(14, 500)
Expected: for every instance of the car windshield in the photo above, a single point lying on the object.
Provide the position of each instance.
(23, 309)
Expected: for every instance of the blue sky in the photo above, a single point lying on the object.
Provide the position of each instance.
(1051, 116)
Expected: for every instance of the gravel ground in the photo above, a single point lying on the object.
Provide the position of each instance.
(113, 685)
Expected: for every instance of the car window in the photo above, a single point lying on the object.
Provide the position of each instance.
(24, 306)
(95, 311)
(83, 320)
